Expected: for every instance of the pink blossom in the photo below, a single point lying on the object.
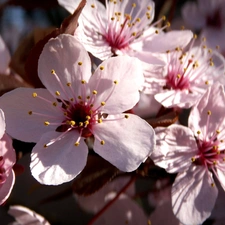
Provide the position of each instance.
(195, 153)
(121, 28)
(7, 160)
(25, 216)
(76, 106)
(186, 75)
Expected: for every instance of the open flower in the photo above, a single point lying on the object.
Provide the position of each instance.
(7, 160)
(77, 106)
(121, 28)
(186, 75)
(195, 153)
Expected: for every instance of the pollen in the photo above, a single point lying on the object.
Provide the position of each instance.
(57, 93)
(217, 131)
(83, 82)
(72, 122)
(178, 76)
(80, 63)
(99, 120)
(209, 112)
(76, 143)
(46, 123)
(126, 116)
(134, 34)
(198, 132)
(86, 122)
(101, 67)
(138, 19)
(193, 159)
(52, 71)
(81, 124)
(92, 6)
(88, 117)
(94, 92)
(102, 103)
(207, 82)
(102, 142)
(34, 94)
(30, 112)
(115, 82)
(156, 31)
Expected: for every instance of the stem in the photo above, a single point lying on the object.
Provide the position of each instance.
(132, 179)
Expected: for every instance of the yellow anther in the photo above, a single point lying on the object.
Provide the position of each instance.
(94, 92)
(198, 132)
(72, 99)
(215, 147)
(210, 50)
(83, 82)
(178, 76)
(101, 67)
(54, 103)
(92, 6)
(138, 19)
(88, 117)
(195, 36)
(126, 116)
(99, 120)
(91, 105)
(81, 124)
(46, 123)
(65, 113)
(72, 122)
(156, 31)
(204, 39)
(102, 142)
(68, 84)
(149, 222)
(133, 5)
(204, 46)
(211, 64)
(207, 82)
(193, 159)
(134, 34)
(80, 63)
(115, 82)
(218, 152)
(209, 112)
(214, 162)
(217, 47)
(88, 97)
(102, 103)
(112, 18)
(217, 131)
(177, 49)
(212, 184)
(45, 146)
(168, 24)
(168, 51)
(76, 143)
(182, 27)
(30, 112)
(114, 2)
(57, 93)
(221, 141)
(52, 71)
(224, 159)
(34, 94)
(149, 8)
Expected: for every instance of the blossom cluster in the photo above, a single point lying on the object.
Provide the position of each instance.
(131, 91)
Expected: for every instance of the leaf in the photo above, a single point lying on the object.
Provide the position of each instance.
(95, 175)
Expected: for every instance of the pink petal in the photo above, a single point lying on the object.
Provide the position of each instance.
(20, 125)
(175, 146)
(4, 57)
(193, 197)
(61, 161)
(25, 216)
(2, 123)
(6, 188)
(62, 54)
(128, 142)
(127, 72)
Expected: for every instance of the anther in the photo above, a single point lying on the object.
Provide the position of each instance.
(126, 116)
(209, 112)
(94, 92)
(72, 122)
(46, 123)
(198, 132)
(92, 6)
(156, 31)
(193, 159)
(115, 82)
(207, 82)
(52, 71)
(149, 8)
(81, 124)
(102, 142)
(83, 82)
(76, 143)
(45, 146)
(68, 84)
(57, 93)
(34, 94)
(102, 103)
(178, 76)
(99, 120)
(101, 67)
(79, 63)
(212, 184)
(133, 5)
(30, 112)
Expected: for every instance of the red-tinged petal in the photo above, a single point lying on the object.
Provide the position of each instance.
(127, 142)
(25, 115)
(6, 187)
(193, 196)
(59, 162)
(62, 65)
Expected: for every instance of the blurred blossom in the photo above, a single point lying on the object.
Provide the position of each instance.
(25, 216)
(4, 57)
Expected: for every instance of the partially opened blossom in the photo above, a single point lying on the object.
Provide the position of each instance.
(76, 106)
(25, 216)
(7, 160)
(122, 28)
(196, 153)
(186, 75)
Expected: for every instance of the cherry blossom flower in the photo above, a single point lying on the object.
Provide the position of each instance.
(77, 106)
(195, 153)
(25, 216)
(121, 28)
(7, 160)
(186, 75)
